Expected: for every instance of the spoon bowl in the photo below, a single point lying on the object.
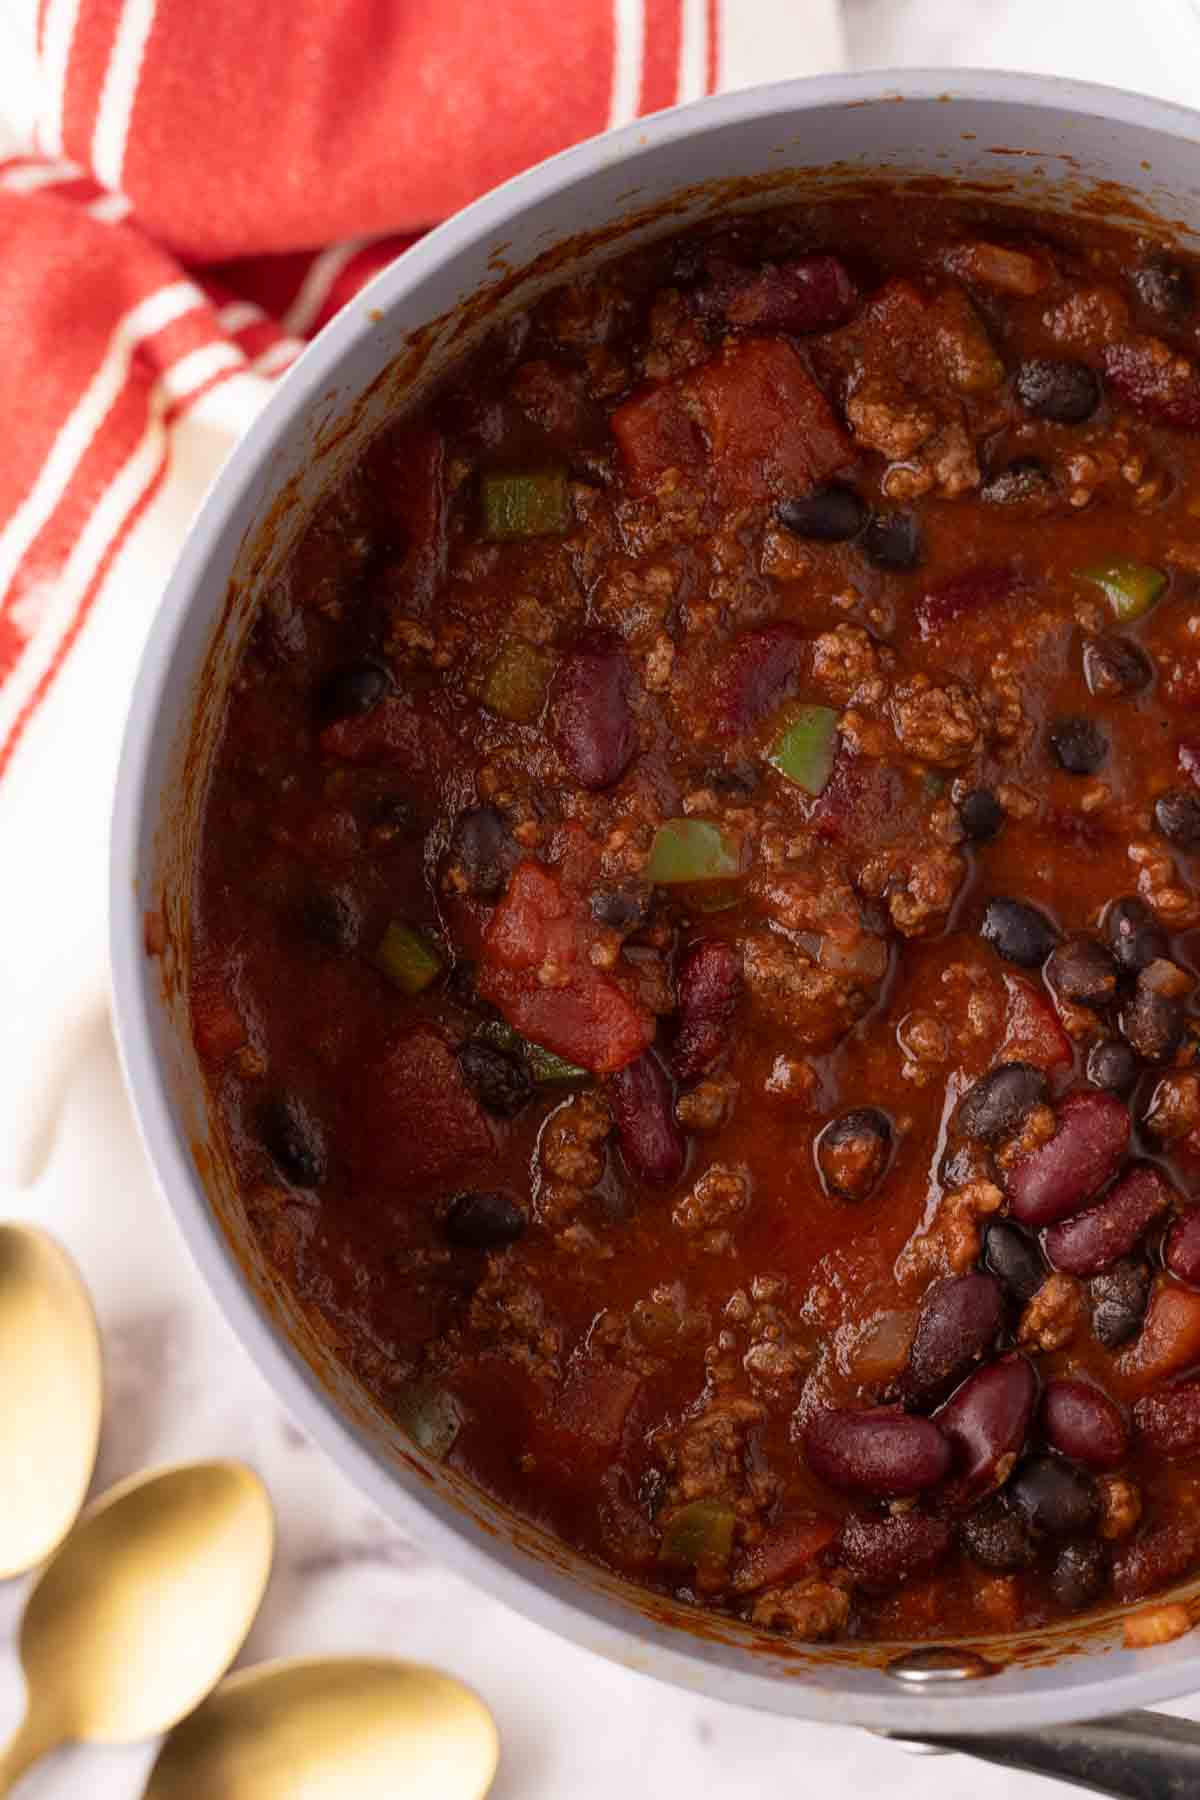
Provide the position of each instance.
(319, 1730)
(143, 1608)
(51, 1391)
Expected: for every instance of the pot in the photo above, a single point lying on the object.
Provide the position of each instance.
(1052, 143)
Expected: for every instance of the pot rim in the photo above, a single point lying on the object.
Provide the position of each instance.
(556, 1600)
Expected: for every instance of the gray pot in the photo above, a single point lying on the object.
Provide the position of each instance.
(1050, 142)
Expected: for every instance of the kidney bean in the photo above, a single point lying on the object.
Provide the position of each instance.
(753, 673)
(1181, 1251)
(880, 1552)
(852, 1152)
(806, 293)
(1081, 1422)
(644, 1112)
(881, 1451)
(1078, 1575)
(483, 1221)
(708, 981)
(1155, 380)
(1151, 1562)
(1018, 932)
(1169, 1422)
(1052, 1497)
(960, 1317)
(590, 712)
(1083, 971)
(1014, 1260)
(1169, 1341)
(995, 1537)
(1163, 287)
(999, 1101)
(986, 1421)
(1060, 1176)
(1107, 1230)
(1136, 937)
(974, 591)
(1118, 1301)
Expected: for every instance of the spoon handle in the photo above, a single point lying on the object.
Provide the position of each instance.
(32, 1738)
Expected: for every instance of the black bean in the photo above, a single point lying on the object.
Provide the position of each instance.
(1164, 288)
(852, 1152)
(1112, 1065)
(1014, 1260)
(981, 815)
(1052, 1497)
(1083, 971)
(1079, 1574)
(1118, 1300)
(739, 778)
(1024, 479)
(1135, 935)
(1000, 1101)
(1079, 745)
(482, 852)
(331, 917)
(892, 540)
(1049, 388)
(995, 1537)
(460, 987)
(501, 1083)
(392, 816)
(1113, 665)
(1018, 932)
(624, 908)
(1152, 1023)
(1177, 815)
(293, 1141)
(966, 1162)
(355, 689)
(830, 514)
(483, 1221)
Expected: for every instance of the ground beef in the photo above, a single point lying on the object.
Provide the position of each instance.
(810, 1610)
(939, 725)
(1054, 1315)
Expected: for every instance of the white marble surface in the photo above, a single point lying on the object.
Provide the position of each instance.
(179, 1386)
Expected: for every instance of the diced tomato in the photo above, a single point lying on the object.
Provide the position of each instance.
(771, 430)
(861, 802)
(785, 1551)
(655, 433)
(581, 1433)
(218, 1028)
(422, 1121)
(537, 969)
(391, 734)
(1169, 1340)
(1032, 1032)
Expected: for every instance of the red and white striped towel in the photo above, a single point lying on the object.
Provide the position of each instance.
(193, 191)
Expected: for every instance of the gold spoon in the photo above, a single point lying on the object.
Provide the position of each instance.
(311, 1730)
(50, 1395)
(142, 1609)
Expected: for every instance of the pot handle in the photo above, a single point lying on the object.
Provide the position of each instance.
(1131, 1755)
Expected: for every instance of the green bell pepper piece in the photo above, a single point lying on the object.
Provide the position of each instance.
(528, 505)
(692, 850)
(805, 749)
(408, 958)
(544, 1067)
(515, 685)
(1131, 588)
(701, 1532)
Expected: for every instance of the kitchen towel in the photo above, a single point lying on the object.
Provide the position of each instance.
(192, 191)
